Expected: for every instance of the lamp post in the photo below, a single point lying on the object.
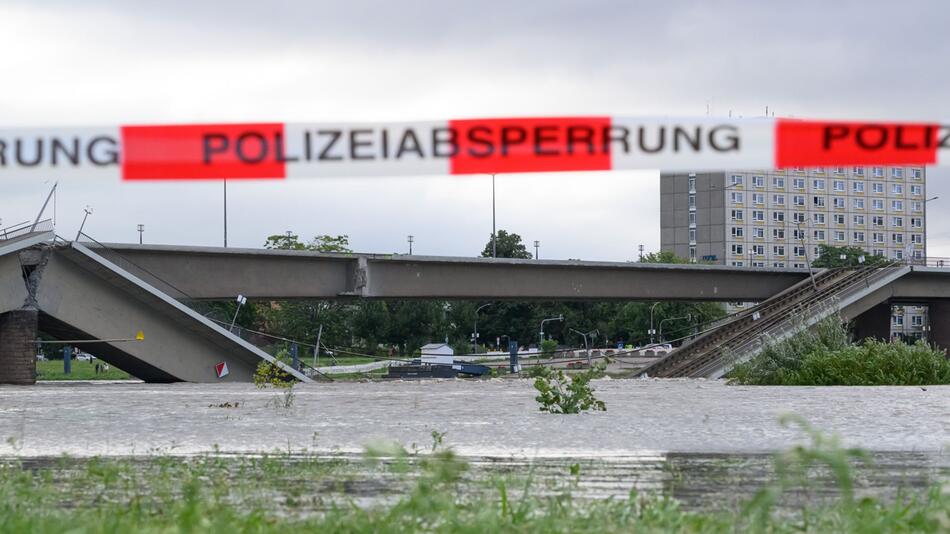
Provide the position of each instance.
(241, 300)
(558, 318)
(225, 213)
(537, 245)
(410, 239)
(88, 211)
(586, 345)
(475, 334)
(652, 330)
(688, 317)
(494, 250)
(141, 229)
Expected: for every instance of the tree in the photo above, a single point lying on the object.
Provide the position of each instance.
(507, 246)
(664, 256)
(830, 256)
(320, 243)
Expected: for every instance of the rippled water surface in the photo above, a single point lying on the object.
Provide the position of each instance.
(492, 418)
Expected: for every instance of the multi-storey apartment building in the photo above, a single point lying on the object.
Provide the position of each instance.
(778, 218)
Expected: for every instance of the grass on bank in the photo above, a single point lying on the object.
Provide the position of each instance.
(825, 356)
(432, 493)
(80, 370)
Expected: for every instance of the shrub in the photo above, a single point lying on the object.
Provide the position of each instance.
(825, 357)
(557, 394)
(548, 348)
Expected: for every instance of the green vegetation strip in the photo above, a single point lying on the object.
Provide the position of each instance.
(416, 493)
(825, 356)
(81, 370)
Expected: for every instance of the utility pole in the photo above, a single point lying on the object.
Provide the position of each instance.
(652, 330)
(494, 251)
(640, 247)
(537, 244)
(410, 239)
(475, 334)
(141, 229)
(225, 213)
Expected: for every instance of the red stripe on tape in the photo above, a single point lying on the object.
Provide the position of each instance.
(203, 151)
(531, 145)
(807, 143)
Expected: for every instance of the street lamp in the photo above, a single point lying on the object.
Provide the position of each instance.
(141, 229)
(494, 250)
(475, 334)
(652, 330)
(410, 239)
(586, 345)
(558, 318)
(88, 211)
(688, 317)
(241, 300)
(537, 244)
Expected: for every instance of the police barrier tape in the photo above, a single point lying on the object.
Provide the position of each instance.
(467, 146)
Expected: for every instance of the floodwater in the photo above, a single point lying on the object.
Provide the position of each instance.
(702, 442)
(486, 418)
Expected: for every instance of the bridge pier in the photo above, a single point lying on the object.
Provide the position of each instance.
(874, 323)
(18, 329)
(939, 317)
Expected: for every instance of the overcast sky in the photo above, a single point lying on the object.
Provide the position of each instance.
(101, 62)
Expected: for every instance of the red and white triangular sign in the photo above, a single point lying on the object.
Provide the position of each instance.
(221, 369)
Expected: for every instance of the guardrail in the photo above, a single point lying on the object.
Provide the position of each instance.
(25, 228)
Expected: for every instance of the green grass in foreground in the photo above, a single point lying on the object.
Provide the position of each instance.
(53, 370)
(205, 495)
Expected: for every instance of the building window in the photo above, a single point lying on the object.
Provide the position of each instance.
(737, 179)
(758, 233)
(877, 187)
(692, 201)
(819, 235)
(916, 190)
(839, 170)
(917, 174)
(839, 218)
(737, 231)
(878, 171)
(897, 205)
(839, 235)
(917, 239)
(818, 184)
(898, 254)
(778, 181)
(736, 196)
(758, 250)
(877, 204)
(778, 233)
(917, 321)
(737, 250)
(692, 254)
(799, 251)
(878, 252)
(737, 215)
(897, 222)
(818, 218)
(897, 189)
(692, 235)
(916, 222)
(778, 250)
(798, 217)
(858, 171)
(778, 216)
(897, 172)
(878, 237)
(897, 319)
(877, 220)
(859, 237)
(692, 184)
(778, 200)
(758, 181)
(758, 198)
(798, 200)
(779, 264)
(839, 185)
(758, 215)
(917, 205)
(798, 183)
(819, 202)
(859, 203)
(692, 218)
(859, 220)
(737, 264)
(857, 187)
(839, 202)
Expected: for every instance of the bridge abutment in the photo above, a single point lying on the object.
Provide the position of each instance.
(18, 329)
(939, 315)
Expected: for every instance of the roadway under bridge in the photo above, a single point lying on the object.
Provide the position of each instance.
(105, 293)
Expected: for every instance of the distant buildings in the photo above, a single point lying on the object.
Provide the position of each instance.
(778, 218)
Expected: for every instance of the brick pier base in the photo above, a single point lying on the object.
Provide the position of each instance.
(18, 330)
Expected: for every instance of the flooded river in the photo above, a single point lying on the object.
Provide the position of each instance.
(702, 442)
(491, 418)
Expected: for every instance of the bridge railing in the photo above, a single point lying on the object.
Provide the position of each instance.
(25, 228)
